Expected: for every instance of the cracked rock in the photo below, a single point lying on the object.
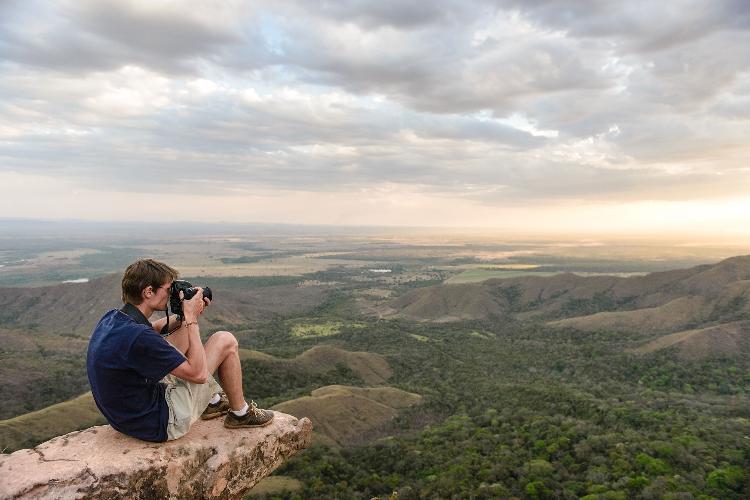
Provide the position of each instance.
(209, 462)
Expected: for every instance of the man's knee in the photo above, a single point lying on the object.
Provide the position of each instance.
(227, 341)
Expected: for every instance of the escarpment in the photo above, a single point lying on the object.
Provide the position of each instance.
(99, 462)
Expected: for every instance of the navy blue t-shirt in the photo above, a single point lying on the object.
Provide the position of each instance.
(126, 360)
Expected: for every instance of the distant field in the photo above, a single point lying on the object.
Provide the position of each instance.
(68, 254)
(38, 261)
(320, 329)
(296, 265)
(514, 270)
(481, 274)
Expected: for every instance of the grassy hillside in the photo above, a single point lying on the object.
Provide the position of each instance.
(661, 301)
(33, 428)
(447, 303)
(312, 368)
(70, 309)
(37, 369)
(729, 340)
(344, 415)
(673, 315)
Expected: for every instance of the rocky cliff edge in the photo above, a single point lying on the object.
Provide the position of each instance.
(99, 462)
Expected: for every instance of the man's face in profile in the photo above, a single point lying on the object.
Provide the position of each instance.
(161, 296)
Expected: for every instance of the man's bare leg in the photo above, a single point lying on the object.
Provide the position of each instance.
(222, 354)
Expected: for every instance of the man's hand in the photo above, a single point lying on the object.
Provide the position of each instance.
(193, 369)
(194, 307)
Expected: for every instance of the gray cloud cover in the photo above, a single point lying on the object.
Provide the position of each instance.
(502, 102)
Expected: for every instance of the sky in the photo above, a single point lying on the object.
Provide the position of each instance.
(592, 116)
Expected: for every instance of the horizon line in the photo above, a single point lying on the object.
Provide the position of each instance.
(743, 238)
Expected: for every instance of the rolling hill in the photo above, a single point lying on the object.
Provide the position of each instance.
(73, 309)
(80, 412)
(33, 428)
(678, 313)
(674, 298)
(343, 415)
(444, 303)
(67, 309)
(707, 299)
(44, 331)
(725, 340)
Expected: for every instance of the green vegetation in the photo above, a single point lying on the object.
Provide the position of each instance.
(272, 383)
(315, 330)
(49, 377)
(663, 371)
(509, 408)
(528, 412)
(597, 303)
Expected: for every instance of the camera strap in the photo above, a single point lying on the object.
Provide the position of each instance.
(165, 329)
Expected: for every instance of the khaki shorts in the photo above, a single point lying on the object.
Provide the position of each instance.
(186, 402)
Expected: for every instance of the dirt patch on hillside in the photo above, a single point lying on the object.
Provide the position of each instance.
(727, 340)
(670, 316)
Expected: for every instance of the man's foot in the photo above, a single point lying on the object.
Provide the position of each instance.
(218, 409)
(255, 417)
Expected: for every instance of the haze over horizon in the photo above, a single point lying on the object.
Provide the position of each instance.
(574, 116)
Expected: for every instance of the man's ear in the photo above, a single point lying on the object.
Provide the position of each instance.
(147, 292)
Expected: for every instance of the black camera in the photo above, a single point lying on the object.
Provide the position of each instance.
(188, 290)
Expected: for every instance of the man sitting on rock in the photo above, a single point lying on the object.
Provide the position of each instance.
(154, 386)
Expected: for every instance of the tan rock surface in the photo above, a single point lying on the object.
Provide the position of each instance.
(99, 462)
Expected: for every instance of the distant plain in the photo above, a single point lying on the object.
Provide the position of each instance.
(389, 338)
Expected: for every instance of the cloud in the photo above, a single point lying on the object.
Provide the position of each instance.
(494, 102)
(490, 62)
(88, 35)
(635, 26)
(374, 15)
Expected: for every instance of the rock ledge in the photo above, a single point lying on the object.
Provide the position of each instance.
(99, 462)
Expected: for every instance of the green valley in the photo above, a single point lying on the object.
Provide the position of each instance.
(634, 384)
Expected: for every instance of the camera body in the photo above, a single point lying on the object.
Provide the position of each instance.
(188, 290)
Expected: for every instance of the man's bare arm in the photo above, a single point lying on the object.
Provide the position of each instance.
(174, 323)
(194, 368)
